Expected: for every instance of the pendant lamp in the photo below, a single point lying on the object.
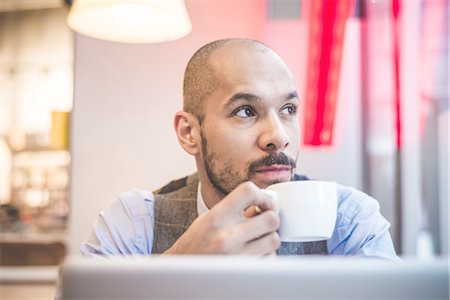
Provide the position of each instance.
(130, 21)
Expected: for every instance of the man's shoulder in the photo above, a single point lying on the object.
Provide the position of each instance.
(172, 186)
(139, 202)
(179, 188)
(133, 203)
(354, 204)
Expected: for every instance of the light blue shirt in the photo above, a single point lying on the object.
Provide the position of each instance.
(126, 227)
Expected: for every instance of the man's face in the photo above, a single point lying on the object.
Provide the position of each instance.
(251, 129)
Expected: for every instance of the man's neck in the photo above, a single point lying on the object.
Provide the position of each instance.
(210, 195)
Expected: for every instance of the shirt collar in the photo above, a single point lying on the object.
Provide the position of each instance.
(201, 205)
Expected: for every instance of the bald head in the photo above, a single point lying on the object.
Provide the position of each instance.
(200, 77)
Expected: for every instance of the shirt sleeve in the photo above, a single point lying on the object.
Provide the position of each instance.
(124, 228)
(360, 229)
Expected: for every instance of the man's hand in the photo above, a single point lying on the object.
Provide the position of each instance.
(234, 226)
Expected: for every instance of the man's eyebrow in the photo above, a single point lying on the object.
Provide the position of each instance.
(292, 95)
(242, 96)
(252, 98)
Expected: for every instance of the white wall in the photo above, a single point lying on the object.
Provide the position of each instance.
(126, 96)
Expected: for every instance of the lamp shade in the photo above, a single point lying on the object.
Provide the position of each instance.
(130, 21)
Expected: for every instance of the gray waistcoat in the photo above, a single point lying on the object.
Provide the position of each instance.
(176, 209)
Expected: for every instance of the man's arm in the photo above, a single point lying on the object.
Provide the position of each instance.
(360, 230)
(125, 227)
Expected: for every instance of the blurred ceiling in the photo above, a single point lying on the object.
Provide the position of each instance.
(17, 5)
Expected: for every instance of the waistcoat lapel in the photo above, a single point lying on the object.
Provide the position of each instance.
(175, 210)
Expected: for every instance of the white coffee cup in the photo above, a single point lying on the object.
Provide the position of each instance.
(308, 209)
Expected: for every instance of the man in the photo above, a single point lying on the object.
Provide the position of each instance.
(240, 122)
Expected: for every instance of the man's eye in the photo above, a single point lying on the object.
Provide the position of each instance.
(244, 112)
(289, 110)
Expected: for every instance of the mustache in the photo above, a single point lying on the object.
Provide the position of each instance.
(272, 159)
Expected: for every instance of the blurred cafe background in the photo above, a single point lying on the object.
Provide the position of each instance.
(89, 90)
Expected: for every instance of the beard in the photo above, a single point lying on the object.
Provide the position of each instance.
(228, 178)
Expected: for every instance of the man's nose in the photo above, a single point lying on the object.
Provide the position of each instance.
(274, 136)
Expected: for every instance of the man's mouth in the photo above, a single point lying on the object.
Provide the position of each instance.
(276, 167)
(273, 168)
(273, 173)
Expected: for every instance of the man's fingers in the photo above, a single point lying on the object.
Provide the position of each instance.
(255, 227)
(264, 245)
(244, 196)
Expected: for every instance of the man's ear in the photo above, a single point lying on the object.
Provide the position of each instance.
(188, 132)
